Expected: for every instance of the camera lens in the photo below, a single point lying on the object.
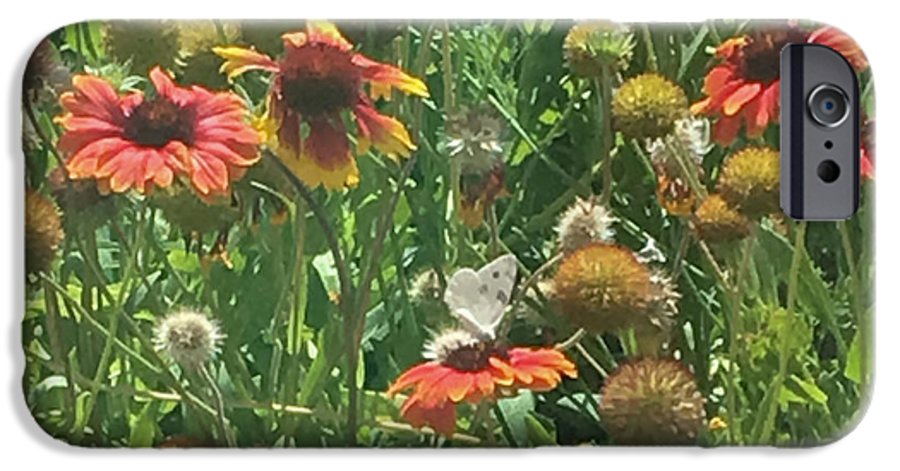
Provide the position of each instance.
(828, 105)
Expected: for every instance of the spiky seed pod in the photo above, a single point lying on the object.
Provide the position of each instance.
(190, 338)
(592, 47)
(647, 106)
(652, 401)
(183, 209)
(604, 288)
(750, 181)
(585, 221)
(199, 65)
(473, 138)
(43, 232)
(145, 43)
(717, 222)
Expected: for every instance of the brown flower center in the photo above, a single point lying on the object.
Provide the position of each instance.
(473, 357)
(158, 121)
(319, 80)
(759, 60)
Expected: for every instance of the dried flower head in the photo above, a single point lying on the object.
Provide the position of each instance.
(184, 210)
(43, 231)
(592, 47)
(44, 72)
(604, 288)
(473, 138)
(647, 106)
(717, 222)
(427, 299)
(675, 154)
(81, 202)
(585, 221)
(653, 334)
(189, 337)
(146, 43)
(653, 401)
(750, 181)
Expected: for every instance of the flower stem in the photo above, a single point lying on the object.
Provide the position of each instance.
(765, 425)
(859, 310)
(226, 431)
(605, 86)
(571, 341)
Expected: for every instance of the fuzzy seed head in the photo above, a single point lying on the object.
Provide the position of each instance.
(653, 401)
(592, 47)
(43, 232)
(647, 106)
(190, 338)
(473, 137)
(717, 222)
(750, 181)
(604, 288)
(585, 221)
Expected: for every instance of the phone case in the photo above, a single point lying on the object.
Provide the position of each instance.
(432, 234)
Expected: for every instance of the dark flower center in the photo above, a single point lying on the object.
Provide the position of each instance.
(759, 60)
(313, 95)
(158, 121)
(319, 80)
(474, 357)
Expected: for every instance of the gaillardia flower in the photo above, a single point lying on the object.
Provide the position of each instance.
(750, 181)
(43, 232)
(585, 221)
(464, 368)
(592, 47)
(717, 222)
(138, 142)
(317, 83)
(743, 89)
(647, 106)
(189, 337)
(603, 287)
(653, 401)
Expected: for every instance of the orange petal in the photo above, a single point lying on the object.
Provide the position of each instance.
(740, 97)
(387, 75)
(726, 129)
(387, 134)
(327, 32)
(239, 60)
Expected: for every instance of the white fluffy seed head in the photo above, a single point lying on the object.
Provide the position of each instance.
(690, 137)
(585, 221)
(189, 337)
(448, 342)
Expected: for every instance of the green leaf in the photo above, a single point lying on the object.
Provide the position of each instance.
(854, 359)
(514, 411)
(143, 426)
(183, 261)
(809, 389)
(538, 434)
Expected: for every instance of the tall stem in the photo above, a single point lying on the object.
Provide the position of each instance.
(608, 137)
(225, 430)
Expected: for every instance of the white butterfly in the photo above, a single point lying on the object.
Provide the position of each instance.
(478, 299)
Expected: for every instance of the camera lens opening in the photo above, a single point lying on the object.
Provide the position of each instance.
(828, 171)
(828, 105)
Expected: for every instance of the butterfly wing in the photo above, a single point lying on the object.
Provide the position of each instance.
(479, 298)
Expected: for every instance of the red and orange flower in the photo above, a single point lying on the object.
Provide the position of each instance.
(743, 89)
(317, 82)
(134, 141)
(466, 369)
